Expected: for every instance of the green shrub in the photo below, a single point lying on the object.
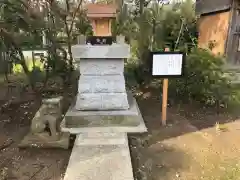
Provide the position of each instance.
(203, 81)
(36, 76)
(130, 73)
(38, 64)
(17, 68)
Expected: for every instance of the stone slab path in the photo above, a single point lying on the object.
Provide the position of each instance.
(101, 138)
(91, 160)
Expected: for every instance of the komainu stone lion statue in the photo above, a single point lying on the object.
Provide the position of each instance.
(45, 129)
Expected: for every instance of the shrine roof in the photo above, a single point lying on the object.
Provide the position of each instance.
(101, 10)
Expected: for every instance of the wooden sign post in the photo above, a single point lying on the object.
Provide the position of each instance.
(166, 65)
(164, 101)
(165, 98)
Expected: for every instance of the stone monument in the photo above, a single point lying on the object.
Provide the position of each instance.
(102, 114)
(102, 99)
(102, 84)
(44, 130)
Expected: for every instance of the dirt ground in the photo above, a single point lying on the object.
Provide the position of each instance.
(188, 148)
(18, 106)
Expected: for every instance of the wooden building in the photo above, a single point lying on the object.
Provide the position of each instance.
(101, 16)
(219, 27)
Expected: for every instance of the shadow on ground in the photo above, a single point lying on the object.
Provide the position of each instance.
(150, 163)
(200, 118)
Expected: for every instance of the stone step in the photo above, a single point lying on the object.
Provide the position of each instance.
(100, 162)
(141, 128)
(130, 121)
(130, 117)
(100, 138)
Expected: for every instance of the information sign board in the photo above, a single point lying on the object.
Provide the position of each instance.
(168, 64)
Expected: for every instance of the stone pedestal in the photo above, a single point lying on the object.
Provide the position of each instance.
(102, 100)
(101, 115)
(44, 141)
(102, 83)
(130, 117)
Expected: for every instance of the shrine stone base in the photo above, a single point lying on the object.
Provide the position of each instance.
(43, 141)
(101, 116)
(101, 84)
(130, 117)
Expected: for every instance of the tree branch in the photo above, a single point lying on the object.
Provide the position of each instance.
(74, 14)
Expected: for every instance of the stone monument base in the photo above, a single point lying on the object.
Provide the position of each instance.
(44, 141)
(123, 121)
(102, 101)
(130, 117)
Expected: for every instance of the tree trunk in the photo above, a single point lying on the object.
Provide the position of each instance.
(69, 44)
(141, 7)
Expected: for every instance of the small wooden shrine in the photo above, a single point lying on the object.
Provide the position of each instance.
(101, 16)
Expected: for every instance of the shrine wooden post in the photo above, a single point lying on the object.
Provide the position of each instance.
(165, 98)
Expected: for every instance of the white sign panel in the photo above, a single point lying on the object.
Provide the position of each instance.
(167, 64)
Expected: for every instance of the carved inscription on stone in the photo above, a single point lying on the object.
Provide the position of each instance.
(101, 67)
(101, 84)
(102, 101)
